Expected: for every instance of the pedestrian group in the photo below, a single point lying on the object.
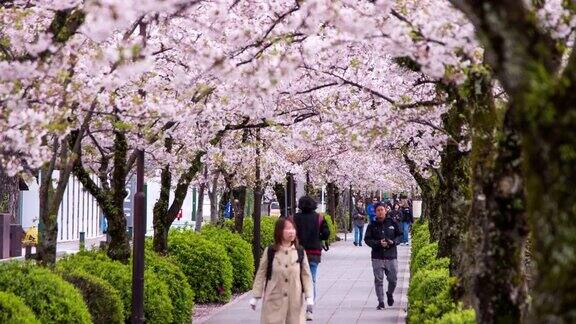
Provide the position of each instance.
(287, 275)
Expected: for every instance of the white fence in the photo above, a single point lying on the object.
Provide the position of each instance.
(78, 212)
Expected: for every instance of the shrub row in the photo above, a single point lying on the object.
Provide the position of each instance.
(49, 297)
(179, 290)
(239, 252)
(167, 296)
(205, 264)
(429, 293)
(102, 299)
(13, 310)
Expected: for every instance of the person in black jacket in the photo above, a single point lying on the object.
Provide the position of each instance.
(311, 229)
(383, 236)
(407, 220)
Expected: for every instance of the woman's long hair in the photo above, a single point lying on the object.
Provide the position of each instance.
(279, 230)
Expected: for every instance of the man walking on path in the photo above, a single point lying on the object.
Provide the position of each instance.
(383, 236)
(311, 230)
(407, 220)
(370, 209)
(359, 217)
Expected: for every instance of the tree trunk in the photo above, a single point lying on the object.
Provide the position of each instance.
(281, 197)
(499, 216)
(111, 199)
(50, 197)
(200, 210)
(160, 241)
(548, 125)
(9, 194)
(454, 195)
(239, 202)
(47, 228)
(428, 187)
(165, 213)
(308, 188)
(497, 228)
(332, 199)
(213, 195)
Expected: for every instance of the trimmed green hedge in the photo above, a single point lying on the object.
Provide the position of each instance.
(420, 236)
(206, 265)
(467, 316)
(13, 310)
(157, 305)
(239, 252)
(179, 290)
(51, 298)
(426, 258)
(103, 301)
(429, 294)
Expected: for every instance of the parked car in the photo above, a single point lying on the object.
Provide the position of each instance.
(275, 209)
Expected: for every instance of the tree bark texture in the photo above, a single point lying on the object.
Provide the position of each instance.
(200, 209)
(332, 194)
(213, 196)
(454, 195)
(110, 196)
(160, 241)
(526, 60)
(499, 217)
(164, 212)
(239, 203)
(9, 194)
(281, 197)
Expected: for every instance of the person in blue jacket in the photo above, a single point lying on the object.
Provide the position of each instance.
(370, 210)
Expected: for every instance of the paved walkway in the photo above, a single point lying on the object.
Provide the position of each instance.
(345, 289)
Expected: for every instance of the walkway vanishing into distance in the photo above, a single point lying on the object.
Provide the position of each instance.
(346, 291)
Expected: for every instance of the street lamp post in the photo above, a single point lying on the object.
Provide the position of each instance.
(138, 244)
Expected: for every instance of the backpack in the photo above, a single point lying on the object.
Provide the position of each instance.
(271, 252)
(324, 232)
(323, 229)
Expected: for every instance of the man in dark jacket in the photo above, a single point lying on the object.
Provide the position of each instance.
(383, 236)
(407, 220)
(311, 229)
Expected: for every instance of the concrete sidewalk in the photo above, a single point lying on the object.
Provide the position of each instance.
(345, 291)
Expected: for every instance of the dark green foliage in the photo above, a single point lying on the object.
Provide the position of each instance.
(179, 290)
(51, 298)
(240, 253)
(14, 311)
(103, 301)
(206, 265)
(157, 305)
